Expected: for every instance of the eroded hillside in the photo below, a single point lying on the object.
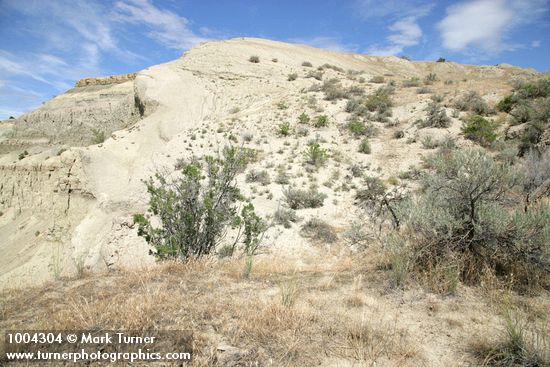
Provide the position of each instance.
(67, 196)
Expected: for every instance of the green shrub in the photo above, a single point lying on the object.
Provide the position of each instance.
(284, 129)
(303, 118)
(480, 130)
(98, 136)
(254, 59)
(23, 155)
(319, 230)
(321, 121)
(506, 104)
(315, 155)
(194, 209)
(292, 77)
(364, 146)
(307, 64)
(441, 59)
(379, 101)
(300, 199)
(358, 128)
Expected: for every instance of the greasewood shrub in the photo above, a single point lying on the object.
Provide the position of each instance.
(195, 208)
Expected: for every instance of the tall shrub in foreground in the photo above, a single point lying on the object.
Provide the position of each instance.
(195, 209)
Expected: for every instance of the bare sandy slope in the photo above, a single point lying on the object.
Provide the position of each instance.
(69, 209)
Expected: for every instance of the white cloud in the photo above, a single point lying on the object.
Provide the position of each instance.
(407, 33)
(404, 27)
(329, 43)
(166, 27)
(485, 24)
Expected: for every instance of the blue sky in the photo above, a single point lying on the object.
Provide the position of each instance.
(46, 45)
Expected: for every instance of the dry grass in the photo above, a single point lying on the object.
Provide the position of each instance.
(522, 340)
(340, 312)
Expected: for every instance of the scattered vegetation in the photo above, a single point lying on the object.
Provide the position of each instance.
(292, 77)
(254, 59)
(307, 64)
